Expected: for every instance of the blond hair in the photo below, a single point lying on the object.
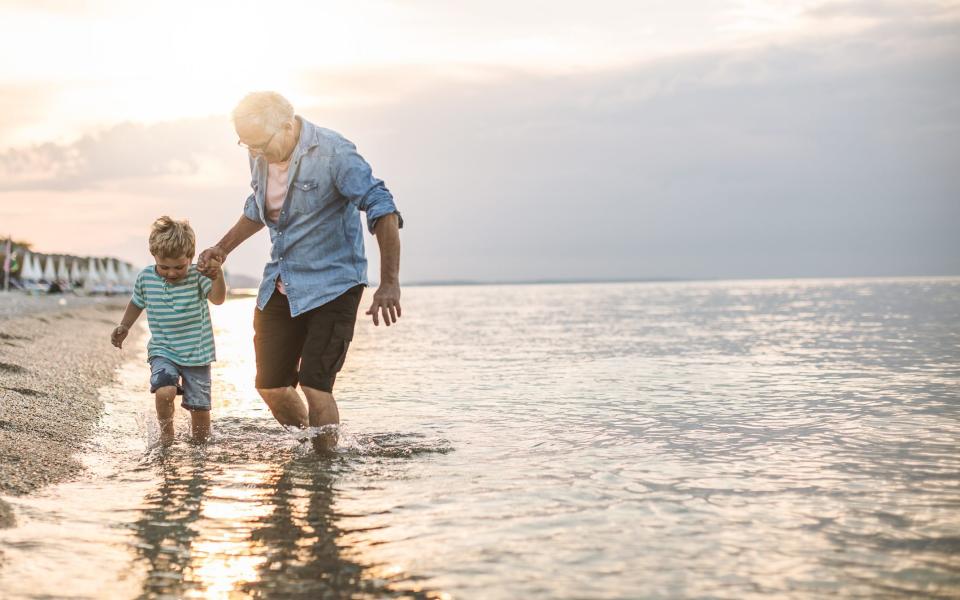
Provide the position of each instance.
(172, 239)
(269, 110)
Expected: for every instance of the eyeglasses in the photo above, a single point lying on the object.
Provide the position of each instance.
(257, 148)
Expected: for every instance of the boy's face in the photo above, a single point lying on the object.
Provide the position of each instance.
(172, 269)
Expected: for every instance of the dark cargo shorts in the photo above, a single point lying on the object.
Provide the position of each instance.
(308, 349)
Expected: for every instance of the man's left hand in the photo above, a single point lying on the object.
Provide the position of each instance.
(386, 300)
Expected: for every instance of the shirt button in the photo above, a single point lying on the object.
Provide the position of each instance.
(280, 233)
(281, 258)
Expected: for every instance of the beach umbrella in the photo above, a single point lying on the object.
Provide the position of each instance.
(110, 274)
(62, 273)
(26, 269)
(31, 271)
(123, 276)
(25, 266)
(93, 275)
(132, 273)
(125, 273)
(49, 272)
(75, 275)
(37, 271)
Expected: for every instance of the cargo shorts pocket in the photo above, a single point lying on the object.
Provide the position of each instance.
(336, 351)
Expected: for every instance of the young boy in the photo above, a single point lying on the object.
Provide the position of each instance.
(181, 348)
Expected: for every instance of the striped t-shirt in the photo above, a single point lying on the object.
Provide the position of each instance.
(178, 316)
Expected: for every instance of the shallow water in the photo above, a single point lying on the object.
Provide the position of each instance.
(791, 439)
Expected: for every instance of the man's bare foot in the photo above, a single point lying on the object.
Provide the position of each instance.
(325, 441)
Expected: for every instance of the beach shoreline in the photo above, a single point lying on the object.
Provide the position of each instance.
(55, 354)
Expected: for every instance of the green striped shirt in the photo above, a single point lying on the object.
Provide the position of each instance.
(178, 315)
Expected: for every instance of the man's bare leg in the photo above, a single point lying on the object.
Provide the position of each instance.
(322, 411)
(200, 425)
(286, 405)
(164, 401)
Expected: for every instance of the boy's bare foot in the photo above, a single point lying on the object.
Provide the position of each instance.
(164, 402)
(200, 425)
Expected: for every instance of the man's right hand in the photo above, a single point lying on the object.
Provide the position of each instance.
(209, 261)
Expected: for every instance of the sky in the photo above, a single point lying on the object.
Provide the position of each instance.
(522, 140)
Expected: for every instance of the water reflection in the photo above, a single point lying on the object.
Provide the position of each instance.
(689, 440)
(253, 513)
(253, 530)
(301, 540)
(166, 527)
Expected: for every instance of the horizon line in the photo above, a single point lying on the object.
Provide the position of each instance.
(575, 280)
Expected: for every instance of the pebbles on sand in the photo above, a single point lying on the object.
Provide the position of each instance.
(55, 354)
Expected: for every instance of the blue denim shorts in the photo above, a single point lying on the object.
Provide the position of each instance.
(192, 382)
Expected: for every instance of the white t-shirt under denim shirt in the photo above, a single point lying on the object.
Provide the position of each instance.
(278, 175)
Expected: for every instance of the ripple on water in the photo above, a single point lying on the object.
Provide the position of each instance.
(256, 508)
(788, 439)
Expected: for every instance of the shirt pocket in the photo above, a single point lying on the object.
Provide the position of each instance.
(335, 353)
(306, 196)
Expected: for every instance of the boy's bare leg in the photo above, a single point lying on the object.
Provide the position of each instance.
(286, 405)
(200, 425)
(164, 401)
(323, 411)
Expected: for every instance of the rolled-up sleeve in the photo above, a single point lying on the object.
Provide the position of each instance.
(354, 179)
(251, 211)
(250, 208)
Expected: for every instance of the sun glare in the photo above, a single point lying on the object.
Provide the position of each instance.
(110, 61)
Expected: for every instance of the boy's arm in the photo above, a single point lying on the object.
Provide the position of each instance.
(218, 292)
(130, 317)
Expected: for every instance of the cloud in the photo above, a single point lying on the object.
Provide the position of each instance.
(126, 151)
(883, 9)
(69, 7)
(832, 156)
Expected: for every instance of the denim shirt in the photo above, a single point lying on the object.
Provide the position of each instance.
(317, 242)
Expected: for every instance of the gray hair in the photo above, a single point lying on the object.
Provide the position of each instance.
(269, 110)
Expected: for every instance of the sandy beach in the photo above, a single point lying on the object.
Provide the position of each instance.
(55, 353)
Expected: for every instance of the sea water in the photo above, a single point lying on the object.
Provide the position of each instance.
(732, 439)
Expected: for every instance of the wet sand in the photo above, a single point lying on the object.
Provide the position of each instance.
(55, 353)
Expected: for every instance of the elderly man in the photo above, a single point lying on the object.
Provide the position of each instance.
(309, 186)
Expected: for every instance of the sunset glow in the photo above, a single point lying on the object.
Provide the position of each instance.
(113, 113)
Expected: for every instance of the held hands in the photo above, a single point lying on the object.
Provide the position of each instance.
(213, 271)
(210, 261)
(386, 300)
(118, 335)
